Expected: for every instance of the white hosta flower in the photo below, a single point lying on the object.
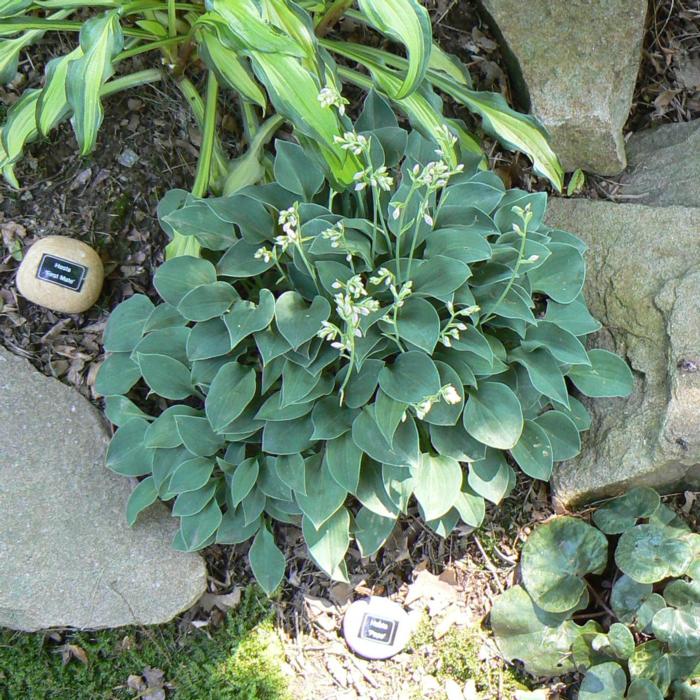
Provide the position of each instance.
(357, 144)
(423, 408)
(335, 234)
(450, 394)
(383, 276)
(265, 253)
(382, 179)
(330, 97)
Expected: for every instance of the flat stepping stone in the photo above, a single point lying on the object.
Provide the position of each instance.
(67, 556)
(577, 62)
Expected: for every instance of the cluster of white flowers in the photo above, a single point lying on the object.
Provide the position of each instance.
(446, 139)
(447, 393)
(387, 277)
(352, 303)
(455, 326)
(288, 219)
(378, 178)
(435, 174)
(330, 97)
(357, 144)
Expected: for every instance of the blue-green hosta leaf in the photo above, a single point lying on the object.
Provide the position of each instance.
(562, 274)
(165, 376)
(565, 346)
(287, 437)
(606, 681)
(330, 419)
(648, 553)
(541, 640)
(418, 323)
(343, 459)
(191, 475)
(292, 471)
(491, 477)
(368, 437)
(459, 243)
(101, 39)
(126, 454)
(295, 171)
(193, 502)
(246, 318)
(555, 558)
(562, 433)
(573, 317)
(232, 389)
(407, 22)
(680, 629)
(493, 415)
(162, 433)
(454, 441)
(372, 531)
(207, 301)
(266, 561)
(197, 530)
(296, 320)
(470, 506)
(323, 493)
(533, 452)
(445, 524)
(176, 277)
(208, 340)
(197, 435)
(9, 53)
(544, 373)
(436, 484)
(388, 413)
(608, 375)
(328, 543)
(117, 374)
(53, 103)
(125, 326)
(412, 378)
(120, 410)
(620, 514)
(140, 498)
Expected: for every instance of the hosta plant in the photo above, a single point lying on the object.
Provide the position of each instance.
(339, 354)
(617, 600)
(268, 52)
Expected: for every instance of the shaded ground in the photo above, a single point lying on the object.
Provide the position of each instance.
(447, 584)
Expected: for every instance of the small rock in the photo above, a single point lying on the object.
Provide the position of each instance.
(127, 158)
(577, 62)
(452, 690)
(376, 628)
(61, 274)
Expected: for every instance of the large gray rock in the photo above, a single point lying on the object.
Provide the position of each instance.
(643, 284)
(578, 62)
(67, 556)
(664, 167)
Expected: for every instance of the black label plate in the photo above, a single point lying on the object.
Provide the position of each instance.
(62, 272)
(378, 629)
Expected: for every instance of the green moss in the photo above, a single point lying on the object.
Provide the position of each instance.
(240, 661)
(458, 656)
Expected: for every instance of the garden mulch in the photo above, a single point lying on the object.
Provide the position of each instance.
(111, 205)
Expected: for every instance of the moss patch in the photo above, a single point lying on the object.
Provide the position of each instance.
(461, 655)
(242, 660)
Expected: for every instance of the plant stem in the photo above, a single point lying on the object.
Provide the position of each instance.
(201, 181)
(332, 16)
(413, 242)
(151, 46)
(349, 372)
(172, 19)
(151, 75)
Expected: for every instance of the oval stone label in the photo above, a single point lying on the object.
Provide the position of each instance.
(376, 628)
(61, 272)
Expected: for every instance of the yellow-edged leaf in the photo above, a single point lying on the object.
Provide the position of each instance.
(53, 104)
(245, 22)
(294, 21)
(20, 126)
(228, 66)
(10, 8)
(9, 53)
(450, 65)
(153, 27)
(407, 22)
(101, 39)
(294, 91)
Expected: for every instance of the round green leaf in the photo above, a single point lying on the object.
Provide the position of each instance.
(643, 689)
(648, 553)
(555, 558)
(562, 433)
(418, 323)
(207, 301)
(165, 376)
(436, 484)
(117, 374)
(533, 453)
(606, 681)
(411, 378)
(682, 594)
(621, 640)
(493, 416)
(607, 376)
(561, 276)
(680, 629)
(622, 513)
(627, 597)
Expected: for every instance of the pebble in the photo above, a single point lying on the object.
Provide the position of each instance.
(62, 274)
(376, 628)
(127, 158)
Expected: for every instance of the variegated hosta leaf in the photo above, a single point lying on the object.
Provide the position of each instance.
(294, 92)
(450, 65)
(245, 22)
(9, 53)
(53, 103)
(516, 131)
(101, 39)
(20, 126)
(230, 69)
(293, 20)
(407, 22)
(9, 8)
